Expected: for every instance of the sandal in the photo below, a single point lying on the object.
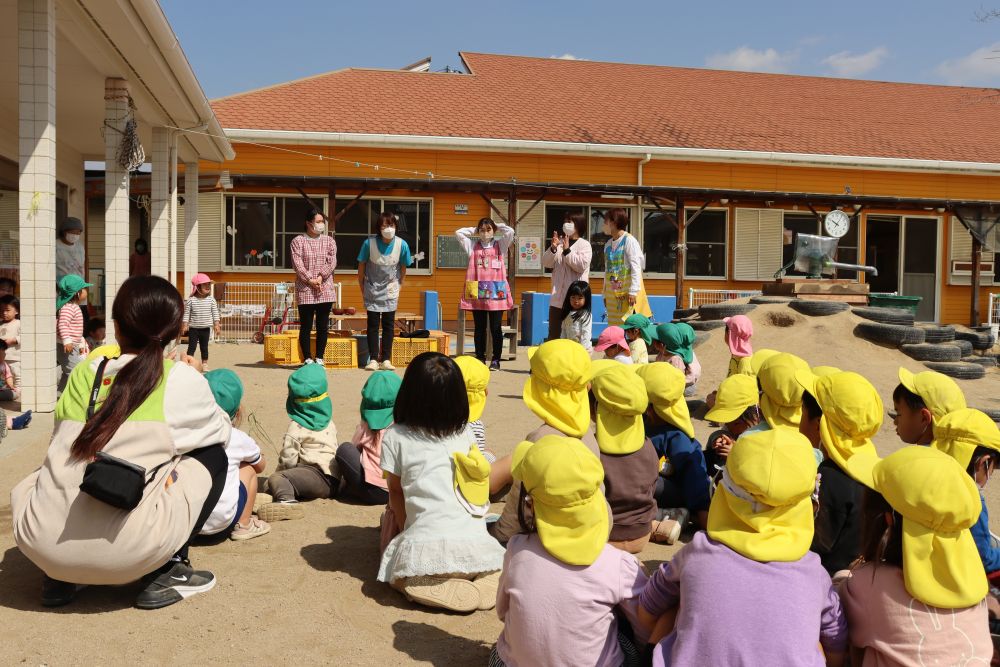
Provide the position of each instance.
(443, 592)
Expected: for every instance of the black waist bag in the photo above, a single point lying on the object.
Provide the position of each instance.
(114, 481)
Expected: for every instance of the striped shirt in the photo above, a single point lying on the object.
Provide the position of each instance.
(201, 313)
(69, 328)
(479, 432)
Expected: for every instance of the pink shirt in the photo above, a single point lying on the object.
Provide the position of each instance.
(567, 268)
(562, 615)
(314, 258)
(69, 327)
(370, 444)
(893, 628)
(692, 371)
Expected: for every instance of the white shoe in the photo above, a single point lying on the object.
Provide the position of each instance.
(387, 366)
(372, 366)
(320, 362)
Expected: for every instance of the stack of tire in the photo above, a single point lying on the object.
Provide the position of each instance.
(710, 316)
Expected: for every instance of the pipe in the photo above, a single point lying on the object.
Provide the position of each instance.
(644, 161)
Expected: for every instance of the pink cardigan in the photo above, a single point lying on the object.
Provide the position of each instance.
(567, 269)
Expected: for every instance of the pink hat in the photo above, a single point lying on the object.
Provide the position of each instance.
(199, 279)
(739, 329)
(611, 336)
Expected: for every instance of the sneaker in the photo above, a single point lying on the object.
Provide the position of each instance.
(174, 582)
(279, 511)
(319, 362)
(387, 366)
(204, 366)
(254, 528)
(57, 593)
(261, 500)
(443, 592)
(666, 531)
(372, 366)
(307, 362)
(495, 365)
(21, 421)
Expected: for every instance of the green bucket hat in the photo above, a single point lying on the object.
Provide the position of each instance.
(378, 398)
(646, 328)
(678, 338)
(227, 388)
(69, 285)
(308, 403)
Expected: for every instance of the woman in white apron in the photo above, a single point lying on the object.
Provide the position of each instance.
(382, 266)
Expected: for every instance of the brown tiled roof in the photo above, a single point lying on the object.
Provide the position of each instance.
(580, 101)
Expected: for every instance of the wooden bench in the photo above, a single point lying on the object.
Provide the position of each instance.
(508, 330)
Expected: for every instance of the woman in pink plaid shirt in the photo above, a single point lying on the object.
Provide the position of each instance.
(314, 256)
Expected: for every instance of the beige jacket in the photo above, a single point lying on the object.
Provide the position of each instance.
(316, 448)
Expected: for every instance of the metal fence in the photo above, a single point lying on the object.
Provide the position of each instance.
(994, 315)
(251, 311)
(700, 297)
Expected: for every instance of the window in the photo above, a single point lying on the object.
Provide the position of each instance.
(807, 223)
(556, 213)
(414, 226)
(706, 242)
(659, 241)
(250, 232)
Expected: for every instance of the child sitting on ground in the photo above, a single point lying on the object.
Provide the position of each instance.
(577, 319)
(72, 347)
(618, 400)
(234, 511)
(95, 332)
(10, 333)
(566, 596)
(739, 330)
(920, 400)
(760, 524)
(973, 439)
(439, 494)
(781, 393)
(307, 466)
(736, 408)
(917, 598)
(682, 486)
(639, 332)
(675, 345)
(476, 376)
(614, 346)
(358, 460)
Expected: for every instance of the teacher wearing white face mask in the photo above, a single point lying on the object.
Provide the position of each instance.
(569, 258)
(314, 257)
(486, 291)
(382, 264)
(71, 255)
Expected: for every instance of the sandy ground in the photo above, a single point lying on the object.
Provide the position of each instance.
(306, 593)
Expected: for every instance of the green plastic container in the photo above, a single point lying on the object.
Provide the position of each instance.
(910, 303)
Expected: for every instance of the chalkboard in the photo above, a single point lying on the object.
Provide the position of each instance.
(450, 254)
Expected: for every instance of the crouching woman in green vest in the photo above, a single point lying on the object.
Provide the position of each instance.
(135, 465)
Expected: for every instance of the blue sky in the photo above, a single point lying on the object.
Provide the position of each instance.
(237, 46)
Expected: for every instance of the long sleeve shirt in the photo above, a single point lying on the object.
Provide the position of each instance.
(467, 237)
(837, 539)
(69, 327)
(200, 313)
(12, 330)
(580, 330)
(635, 260)
(688, 462)
(314, 258)
(568, 266)
(984, 541)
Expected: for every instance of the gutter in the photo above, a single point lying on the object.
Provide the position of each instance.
(609, 150)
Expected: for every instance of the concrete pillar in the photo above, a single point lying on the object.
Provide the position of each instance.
(116, 202)
(172, 192)
(190, 223)
(36, 42)
(159, 223)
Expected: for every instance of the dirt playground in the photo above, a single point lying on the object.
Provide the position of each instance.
(306, 593)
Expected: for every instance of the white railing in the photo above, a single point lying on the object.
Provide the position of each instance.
(251, 311)
(701, 297)
(993, 318)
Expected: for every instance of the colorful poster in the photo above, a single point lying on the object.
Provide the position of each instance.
(529, 251)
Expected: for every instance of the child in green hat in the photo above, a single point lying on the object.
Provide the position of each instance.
(674, 344)
(307, 465)
(639, 332)
(72, 349)
(358, 460)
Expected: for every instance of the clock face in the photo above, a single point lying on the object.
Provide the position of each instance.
(837, 223)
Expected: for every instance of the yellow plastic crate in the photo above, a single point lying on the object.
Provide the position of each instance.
(340, 353)
(405, 349)
(282, 349)
(444, 341)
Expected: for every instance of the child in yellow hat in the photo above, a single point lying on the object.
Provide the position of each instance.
(683, 480)
(841, 413)
(618, 400)
(920, 400)
(737, 408)
(781, 400)
(476, 376)
(918, 596)
(749, 590)
(973, 439)
(563, 587)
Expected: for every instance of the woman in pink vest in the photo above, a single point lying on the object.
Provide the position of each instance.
(486, 291)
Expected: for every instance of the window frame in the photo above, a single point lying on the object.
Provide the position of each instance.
(673, 276)
(428, 254)
(607, 204)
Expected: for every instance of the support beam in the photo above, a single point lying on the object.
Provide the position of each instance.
(172, 203)
(36, 78)
(159, 223)
(489, 202)
(694, 216)
(116, 192)
(532, 207)
(512, 249)
(681, 253)
(190, 223)
(977, 258)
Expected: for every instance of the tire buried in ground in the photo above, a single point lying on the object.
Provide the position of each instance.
(706, 325)
(718, 311)
(769, 299)
(985, 362)
(931, 352)
(938, 333)
(889, 334)
(959, 371)
(963, 345)
(700, 337)
(817, 308)
(884, 315)
(980, 341)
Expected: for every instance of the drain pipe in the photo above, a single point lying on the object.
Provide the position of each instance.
(645, 160)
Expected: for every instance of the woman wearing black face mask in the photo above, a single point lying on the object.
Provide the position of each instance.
(314, 257)
(486, 291)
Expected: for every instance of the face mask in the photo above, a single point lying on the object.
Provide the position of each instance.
(569, 228)
(486, 236)
(72, 238)
(389, 233)
(319, 227)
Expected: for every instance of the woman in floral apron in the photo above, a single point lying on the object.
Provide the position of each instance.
(624, 292)
(382, 266)
(486, 291)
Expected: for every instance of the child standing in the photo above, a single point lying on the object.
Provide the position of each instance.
(920, 400)
(307, 466)
(234, 511)
(382, 264)
(438, 493)
(201, 315)
(614, 346)
(676, 346)
(69, 328)
(577, 319)
(563, 587)
(10, 333)
(739, 330)
(760, 524)
(358, 460)
(639, 332)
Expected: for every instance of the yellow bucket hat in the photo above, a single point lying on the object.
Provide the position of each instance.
(477, 378)
(600, 365)
(823, 371)
(531, 352)
(939, 502)
(782, 399)
(852, 414)
(758, 358)
(961, 431)
(665, 389)
(939, 392)
(735, 395)
(564, 480)
(557, 388)
(472, 480)
(762, 509)
(621, 400)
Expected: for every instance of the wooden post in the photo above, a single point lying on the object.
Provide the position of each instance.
(681, 252)
(512, 250)
(977, 258)
(331, 205)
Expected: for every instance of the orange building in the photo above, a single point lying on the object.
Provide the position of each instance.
(750, 159)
